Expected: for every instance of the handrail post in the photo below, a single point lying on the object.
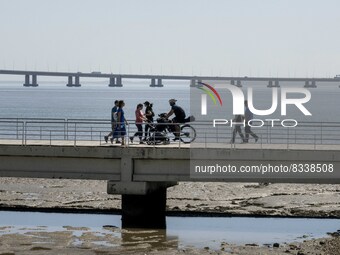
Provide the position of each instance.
(287, 138)
(314, 141)
(65, 129)
(75, 134)
(25, 132)
(17, 128)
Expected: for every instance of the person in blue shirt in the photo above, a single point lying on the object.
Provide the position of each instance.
(248, 115)
(120, 130)
(113, 122)
(179, 116)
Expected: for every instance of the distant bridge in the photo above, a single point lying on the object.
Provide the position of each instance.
(115, 80)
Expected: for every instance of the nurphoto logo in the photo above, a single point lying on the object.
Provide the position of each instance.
(288, 96)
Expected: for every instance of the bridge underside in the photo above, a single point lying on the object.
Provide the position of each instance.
(142, 174)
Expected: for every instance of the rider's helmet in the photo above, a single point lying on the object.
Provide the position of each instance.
(172, 101)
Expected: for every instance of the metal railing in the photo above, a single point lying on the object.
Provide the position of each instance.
(48, 130)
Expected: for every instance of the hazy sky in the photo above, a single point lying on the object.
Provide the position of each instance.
(212, 37)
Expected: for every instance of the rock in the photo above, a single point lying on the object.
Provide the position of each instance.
(251, 244)
(322, 242)
(276, 245)
(109, 226)
(293, 247)
(300, 253)
(206, 248)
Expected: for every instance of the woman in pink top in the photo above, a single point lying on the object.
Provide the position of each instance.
(139, 121)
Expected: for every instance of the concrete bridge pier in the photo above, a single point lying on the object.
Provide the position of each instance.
(193, 83)
(115, 82)
(28, 83)
(76, 81)
(153, 82)
(238, 83)
(27, 80)
(159, 83)
(70, 81)
(119, 81)
(310, 84)
(156, 85)
(143, 203)
(276, 84)
(112, 82)
(34, 81)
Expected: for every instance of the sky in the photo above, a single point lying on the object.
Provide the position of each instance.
(280, 38)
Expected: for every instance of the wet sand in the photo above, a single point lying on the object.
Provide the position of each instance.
(303, 200)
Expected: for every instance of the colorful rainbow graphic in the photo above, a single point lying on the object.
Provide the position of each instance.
(209, 92)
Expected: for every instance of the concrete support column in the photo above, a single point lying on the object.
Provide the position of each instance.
(159, 83)
(27, 80)
(144, 211)
(153, 82)
(119, 81)
(310, 84)
(238, 84)
(34, 81)
(112, 82)
(28, 83)
(193, 83)
(76, 81)
(143, 203)
(70, 82)
(276, 84)
(232, 82)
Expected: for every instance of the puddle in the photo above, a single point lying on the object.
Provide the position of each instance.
(199, 232)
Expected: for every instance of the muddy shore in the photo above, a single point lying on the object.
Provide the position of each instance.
(297, 200)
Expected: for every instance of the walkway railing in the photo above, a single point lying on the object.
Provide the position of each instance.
(48, 130)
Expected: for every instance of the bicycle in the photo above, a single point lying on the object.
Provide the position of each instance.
(159, 132)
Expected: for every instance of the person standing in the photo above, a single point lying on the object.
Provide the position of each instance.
(139, 121)
(179, 117)
(237, 122)
(113, 122)
(149, 114)
(248, 115)
(120, 130)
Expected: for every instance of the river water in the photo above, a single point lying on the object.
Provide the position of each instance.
(95, 100)
(196, 232)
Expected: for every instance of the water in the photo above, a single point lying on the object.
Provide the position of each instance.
(95, 100)
(185, 231)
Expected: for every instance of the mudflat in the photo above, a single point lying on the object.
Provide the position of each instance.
(303, 200)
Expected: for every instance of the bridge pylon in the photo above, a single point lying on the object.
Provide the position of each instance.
(28, 83)
(76, 81)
